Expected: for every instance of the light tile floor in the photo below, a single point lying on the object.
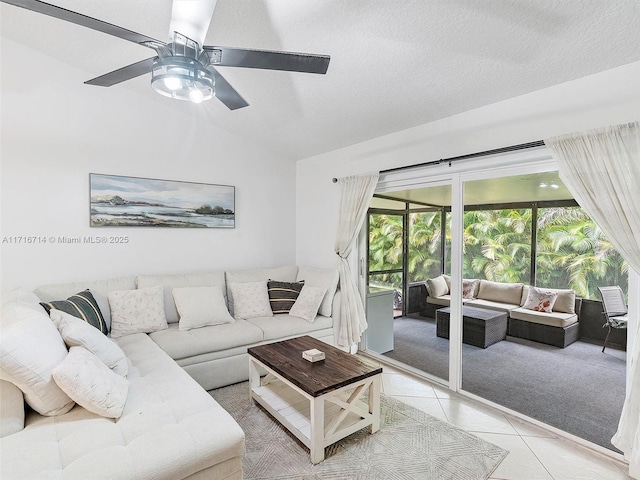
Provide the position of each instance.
(534, 453)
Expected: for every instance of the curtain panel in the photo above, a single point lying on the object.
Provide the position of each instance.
(356, 193)
(601, 168)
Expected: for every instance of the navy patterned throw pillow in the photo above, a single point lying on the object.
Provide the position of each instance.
(81, 305)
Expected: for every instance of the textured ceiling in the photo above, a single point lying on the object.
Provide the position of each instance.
(394, 64)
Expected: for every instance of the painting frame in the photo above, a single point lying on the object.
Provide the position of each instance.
(125, 201)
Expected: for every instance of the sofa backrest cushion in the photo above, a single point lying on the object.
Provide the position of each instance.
(11, 409)
(281, 274)
(565, 302)
(437, 286)
(98, 288)
(169, 282)
(326, 278)
(500, 292)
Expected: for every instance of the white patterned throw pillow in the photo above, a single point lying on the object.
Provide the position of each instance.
(308, 303)
(540, 300)
(77, 333)
(137, 311)
(92, 384)
(200, 307)
(251, 300)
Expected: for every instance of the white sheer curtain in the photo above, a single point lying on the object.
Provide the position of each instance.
(355, 195)
(601, 168)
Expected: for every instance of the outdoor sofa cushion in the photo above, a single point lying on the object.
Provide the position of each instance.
(554, 319)
(508, 293)
(565, 302)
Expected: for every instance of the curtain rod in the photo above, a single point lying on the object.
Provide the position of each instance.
(512, 148)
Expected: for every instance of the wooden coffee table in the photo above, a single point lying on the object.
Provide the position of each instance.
(321, 402)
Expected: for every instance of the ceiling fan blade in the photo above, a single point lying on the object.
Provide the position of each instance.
(191, 18)
(226, 93)
(83, 20)
(270, 60)
(123, 74)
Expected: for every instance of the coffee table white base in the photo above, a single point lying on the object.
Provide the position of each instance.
(317, 421)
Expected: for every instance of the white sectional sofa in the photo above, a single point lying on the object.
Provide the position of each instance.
(170, 427)
(559, 327)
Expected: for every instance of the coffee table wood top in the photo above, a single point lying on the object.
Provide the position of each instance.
(315, 378)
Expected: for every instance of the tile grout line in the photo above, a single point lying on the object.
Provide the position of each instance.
(522, 437)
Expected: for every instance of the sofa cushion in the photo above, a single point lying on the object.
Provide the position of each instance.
(11, 409)
(437, 286)
(326, 278)
(169, 282)
(30, 348)
(81, 305)
(201, 306)
(554, 319)
(540, 300)
(137, 311)
(77, 333)
(282, 295)
(250, 299)
(91, 384)
(499, 306)
(189, 343)
(285, 325)
(510, 293)
(308, 303)
(281, 274)
(99, 289)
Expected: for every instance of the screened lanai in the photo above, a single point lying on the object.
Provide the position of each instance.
(518, 229)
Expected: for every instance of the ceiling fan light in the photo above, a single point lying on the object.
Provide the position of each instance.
(172, 83)
(182, 78)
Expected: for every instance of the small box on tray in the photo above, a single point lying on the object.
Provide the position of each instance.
(313, 355)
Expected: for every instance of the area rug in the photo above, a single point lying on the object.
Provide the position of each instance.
(409, 445)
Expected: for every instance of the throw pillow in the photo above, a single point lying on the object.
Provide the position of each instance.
(468, 288)
(91, 383)
(282, 295)
(30, 348)
(437, 286)
(327, 278)
(82, 305)
(540, 300)
(137, 311)
(77, 333)
(308, 303)
(251, 300)
(201, 306)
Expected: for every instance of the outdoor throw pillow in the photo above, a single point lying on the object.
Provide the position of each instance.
(250, 300)
(137, 311)
(308, 303)
(201, 306)
(77, 333)
(437, 286)
(469, 288)
(282, 295)
(92, 385)
(540, 300)
(82, 305)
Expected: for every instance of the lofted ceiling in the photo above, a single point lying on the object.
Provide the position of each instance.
(395, 64)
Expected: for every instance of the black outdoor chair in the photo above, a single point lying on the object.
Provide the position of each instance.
(615, 309)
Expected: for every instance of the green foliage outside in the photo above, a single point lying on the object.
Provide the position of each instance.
(572, 252)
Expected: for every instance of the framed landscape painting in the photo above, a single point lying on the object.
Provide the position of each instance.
(145, 202)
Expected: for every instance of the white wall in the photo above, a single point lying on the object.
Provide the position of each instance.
(55, 131)
(607, 98)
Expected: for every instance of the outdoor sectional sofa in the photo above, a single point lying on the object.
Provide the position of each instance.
(170, 427)
(559, 327)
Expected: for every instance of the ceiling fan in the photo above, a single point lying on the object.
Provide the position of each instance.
(184, 69)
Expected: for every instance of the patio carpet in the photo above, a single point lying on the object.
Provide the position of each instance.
(578, 389)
